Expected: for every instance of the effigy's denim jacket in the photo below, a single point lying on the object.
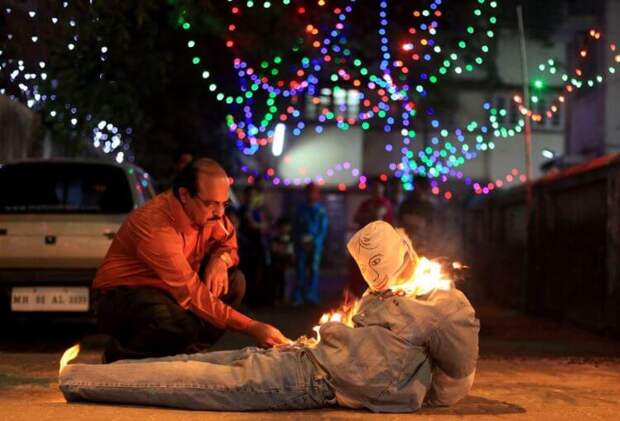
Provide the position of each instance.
(400, 349)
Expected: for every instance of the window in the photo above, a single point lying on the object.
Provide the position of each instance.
(343, 103)
(541, 104)
(511, 115)
(57, 187)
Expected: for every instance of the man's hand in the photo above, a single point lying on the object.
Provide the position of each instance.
(266, 336)
(216, 276)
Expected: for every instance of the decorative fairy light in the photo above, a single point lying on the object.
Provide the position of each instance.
(514, 176)
(320, 179)
(572, 83)
(251, 136)
(268, 98)
(25, 75)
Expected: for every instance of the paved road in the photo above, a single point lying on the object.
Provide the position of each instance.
(519, 389)
(529, 370)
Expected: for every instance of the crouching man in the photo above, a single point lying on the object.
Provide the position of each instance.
(407, 344)
(169, 284)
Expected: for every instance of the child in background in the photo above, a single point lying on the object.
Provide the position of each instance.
(282, 255)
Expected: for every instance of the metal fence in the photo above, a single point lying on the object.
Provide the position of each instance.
(559, 256)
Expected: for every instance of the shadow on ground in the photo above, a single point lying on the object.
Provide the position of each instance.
(475, 405)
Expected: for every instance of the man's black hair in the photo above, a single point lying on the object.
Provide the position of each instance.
(188, 177)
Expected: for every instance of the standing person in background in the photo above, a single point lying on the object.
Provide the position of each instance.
(421, 217)
(417, 219)
(310, 229)
(282, 259)
(376, 208)
(182, 157)
(397, 196)
(254, 252)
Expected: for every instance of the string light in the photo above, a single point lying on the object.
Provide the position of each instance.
(339, 168)
(25, 75)
(268, 98)
(572, 83)
(382, 93)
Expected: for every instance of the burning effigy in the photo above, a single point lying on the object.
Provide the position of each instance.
(412, 339)
(427, 276)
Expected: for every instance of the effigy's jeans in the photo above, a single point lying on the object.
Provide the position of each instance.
(241, 380)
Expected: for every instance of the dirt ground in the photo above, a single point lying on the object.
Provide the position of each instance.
(530, 369)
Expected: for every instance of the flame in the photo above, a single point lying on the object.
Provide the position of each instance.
(317, 330)
(427, 276)
(459, 266)
(69, 355)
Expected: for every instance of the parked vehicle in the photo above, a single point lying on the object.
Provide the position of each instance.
(57, 220)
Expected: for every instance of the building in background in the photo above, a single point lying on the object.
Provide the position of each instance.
(342, 155)
(594, 114)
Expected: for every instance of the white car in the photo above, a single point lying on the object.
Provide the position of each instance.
(57, 220)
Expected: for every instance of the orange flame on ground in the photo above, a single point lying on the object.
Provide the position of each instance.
(426, 277)
(68, 355)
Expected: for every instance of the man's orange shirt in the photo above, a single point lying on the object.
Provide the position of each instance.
(159, 246)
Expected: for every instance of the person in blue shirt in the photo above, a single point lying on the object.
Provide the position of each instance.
(310, 229)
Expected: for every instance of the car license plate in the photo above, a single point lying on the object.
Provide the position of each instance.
(50, 299)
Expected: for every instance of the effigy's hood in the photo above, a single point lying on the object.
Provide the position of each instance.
(379, 251)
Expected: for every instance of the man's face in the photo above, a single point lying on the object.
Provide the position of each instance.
(209, 204)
